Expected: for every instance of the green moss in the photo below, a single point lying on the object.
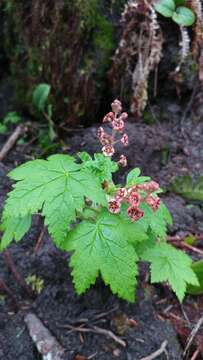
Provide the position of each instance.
(103, 38)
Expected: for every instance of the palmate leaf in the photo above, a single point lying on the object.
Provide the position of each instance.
(56, 186)
(103, 247)
(169, 264)
(14, 228)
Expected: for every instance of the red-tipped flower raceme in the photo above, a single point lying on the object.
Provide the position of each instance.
(116, 120)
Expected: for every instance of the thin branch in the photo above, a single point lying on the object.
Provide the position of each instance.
(157, 353)
(11, 141)
(96, 330)
(192, 335)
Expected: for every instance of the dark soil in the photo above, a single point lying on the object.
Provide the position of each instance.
(57, 304)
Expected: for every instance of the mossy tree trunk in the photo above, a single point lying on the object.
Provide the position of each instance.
(67, 44)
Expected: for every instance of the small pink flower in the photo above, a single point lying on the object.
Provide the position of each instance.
(106, 139)
(109, 117)
(143, 187)
(134, 197)
(121, 194)
(123, 161)
(153, 202)
(116, 106)
(118, 125)
(114, 206)
(108, 150)
(124, 140)
(149, 187)
(100, 132)
(153, 186)
(135, 213)
(123, 116)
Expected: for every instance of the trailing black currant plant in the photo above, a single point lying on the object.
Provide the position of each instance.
(107, 227)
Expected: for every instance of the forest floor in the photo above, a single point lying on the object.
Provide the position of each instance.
(162, 151)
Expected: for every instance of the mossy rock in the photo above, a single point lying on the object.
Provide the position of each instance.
(67, 44)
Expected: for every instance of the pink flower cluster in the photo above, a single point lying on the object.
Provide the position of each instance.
(116, 119)
(134, 196)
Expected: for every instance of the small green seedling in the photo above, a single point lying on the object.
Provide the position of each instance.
(36, 283)
(177, 10)
(10, 118)
(40, 99)
(107, 227)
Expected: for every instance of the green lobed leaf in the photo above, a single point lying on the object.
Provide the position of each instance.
(134, 177)
(103, 247)
(172, 265)
(101, 166)
(165, 7)
(56, 186)
(184, 16)
(156, 221)
(14, 228)
(198, 269)
(40, 96)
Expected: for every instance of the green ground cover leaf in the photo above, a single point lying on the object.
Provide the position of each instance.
(171, 265)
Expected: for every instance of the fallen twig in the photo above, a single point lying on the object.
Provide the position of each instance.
(179, 241)
(11, 141)
(96, 330)
(9, 262)
(157, 353)
(195, 355)
(178, 238)
(192, 336)
(46, 344)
